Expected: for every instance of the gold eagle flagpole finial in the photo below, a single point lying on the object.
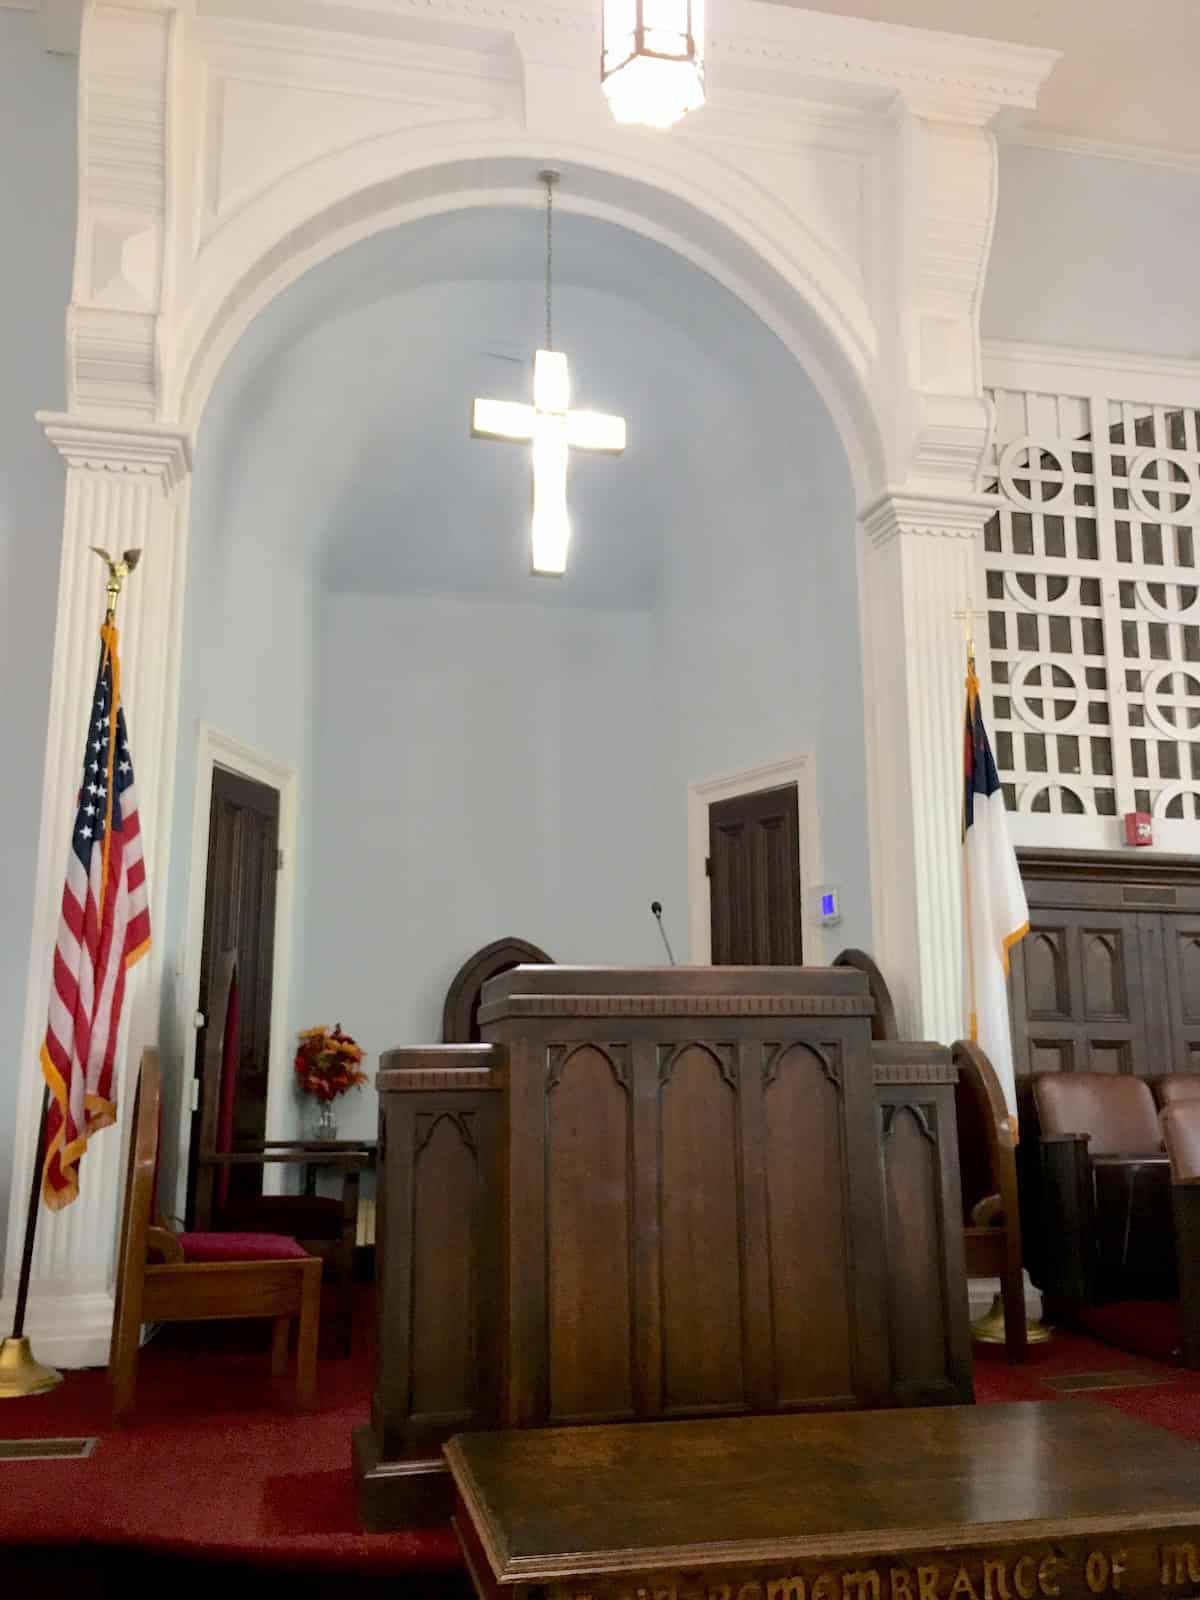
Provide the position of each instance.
(118, 571)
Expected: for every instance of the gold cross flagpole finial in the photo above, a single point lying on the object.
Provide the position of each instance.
(967, 615)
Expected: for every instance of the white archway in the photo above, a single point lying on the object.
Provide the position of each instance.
(780, 270)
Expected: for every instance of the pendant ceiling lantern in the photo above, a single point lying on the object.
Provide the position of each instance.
(652, 67)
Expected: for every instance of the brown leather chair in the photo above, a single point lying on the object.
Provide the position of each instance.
(1181, 1132)
(1175, 1086)
(1105, 1190)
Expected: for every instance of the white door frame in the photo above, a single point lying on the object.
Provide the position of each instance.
(798, 769)
(216, 749)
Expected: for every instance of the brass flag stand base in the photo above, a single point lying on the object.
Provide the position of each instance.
(990, 1328)
(21, 1374)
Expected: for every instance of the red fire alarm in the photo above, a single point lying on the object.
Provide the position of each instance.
(1138, 828)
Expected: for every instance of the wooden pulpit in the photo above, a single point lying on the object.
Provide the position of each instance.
(653, 1193)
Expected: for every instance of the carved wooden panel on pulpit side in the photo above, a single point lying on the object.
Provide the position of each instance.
(808, 1225)
(589, 1224)
(445, 1180)
(700, 1238)
(930, 1347)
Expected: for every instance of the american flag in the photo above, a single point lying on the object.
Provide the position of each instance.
(104, 929)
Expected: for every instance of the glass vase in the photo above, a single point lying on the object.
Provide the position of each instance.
(324, 1124)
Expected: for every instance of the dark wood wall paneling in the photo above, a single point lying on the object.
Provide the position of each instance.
(1108, 977)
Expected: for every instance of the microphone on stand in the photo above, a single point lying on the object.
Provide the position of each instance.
(656, 912)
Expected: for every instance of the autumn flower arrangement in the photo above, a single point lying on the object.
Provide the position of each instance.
(327, 1062)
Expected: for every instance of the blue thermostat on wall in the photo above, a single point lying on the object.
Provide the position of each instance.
(830, 910)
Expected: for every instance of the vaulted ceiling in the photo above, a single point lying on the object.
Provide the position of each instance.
(341, 425)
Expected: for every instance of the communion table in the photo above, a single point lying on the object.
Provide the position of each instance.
(654, 1193)
(1058, 1500)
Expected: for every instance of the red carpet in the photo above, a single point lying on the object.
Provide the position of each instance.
(1151, 1328)
(214, 1462)
(215, 1466)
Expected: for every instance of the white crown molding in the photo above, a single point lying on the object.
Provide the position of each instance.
(901, 511)
(153, 448)
(943, 74)
(1017, 364)
(1034, 137)
(948, 72)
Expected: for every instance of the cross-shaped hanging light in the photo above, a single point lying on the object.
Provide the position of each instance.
(551, 427)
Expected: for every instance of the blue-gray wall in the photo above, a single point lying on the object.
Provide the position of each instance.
(37, 231)
(1096, 253)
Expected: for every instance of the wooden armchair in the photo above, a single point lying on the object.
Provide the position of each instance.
(460, 1013)
(163, 1276)
(988, 1154)
(987, 1162)
(327, 1226)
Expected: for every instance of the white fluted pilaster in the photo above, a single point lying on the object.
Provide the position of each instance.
(126, 486)
(918, 565)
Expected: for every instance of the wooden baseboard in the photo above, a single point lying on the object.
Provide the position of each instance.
(394, 1495)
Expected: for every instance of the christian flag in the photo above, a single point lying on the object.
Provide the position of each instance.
(103, 930)
(995, 912)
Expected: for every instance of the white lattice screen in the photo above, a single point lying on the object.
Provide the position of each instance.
(1093, 605)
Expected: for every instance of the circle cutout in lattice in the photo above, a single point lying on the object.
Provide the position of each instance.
(1178, 802)
(1036, 591)
(1032, 475)
(1163, 486)
(1040, 799)
(1056, 681)
(1188, 610)
(1183, 704)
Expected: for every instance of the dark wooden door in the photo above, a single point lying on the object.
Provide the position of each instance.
(239, 914)
(754, 872)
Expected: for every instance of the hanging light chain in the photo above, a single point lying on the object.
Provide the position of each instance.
(549, 178)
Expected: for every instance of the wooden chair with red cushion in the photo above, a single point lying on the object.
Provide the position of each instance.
(164, 1276)
(326, 1225)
